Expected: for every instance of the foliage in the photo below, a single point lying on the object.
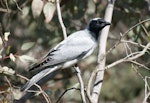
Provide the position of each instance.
(28, 29)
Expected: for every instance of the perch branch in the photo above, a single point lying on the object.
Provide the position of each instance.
(65, 36)
(81, 83)
(60, 19)
(94, 95)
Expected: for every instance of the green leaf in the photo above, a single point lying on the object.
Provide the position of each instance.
(37, 6)
(27, 46)
(26, 58)
(25, 12)
(49, 9)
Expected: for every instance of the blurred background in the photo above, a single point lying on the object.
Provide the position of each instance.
(33, 29)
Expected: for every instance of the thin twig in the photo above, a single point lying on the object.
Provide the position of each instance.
(146, 32)
(140, 65)
(123, 35)
(5, 10)
(42, 92)
(60, 19)
(140, 54)
(90, 85)
(127, 41)
(147, 88)
(6, 3)
(65, 92)
(128, 59)
(141, 22)
(11, 91)
(81, 84)
(24, 4)
(17, 5)
(2, 92)
(134, 43)
(135, 69)
(126, 46)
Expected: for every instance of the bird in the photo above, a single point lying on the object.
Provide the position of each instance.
(68, 52)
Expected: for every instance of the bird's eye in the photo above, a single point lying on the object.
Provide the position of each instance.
(100, 22)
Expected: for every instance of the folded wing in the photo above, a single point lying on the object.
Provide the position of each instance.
(74, 47)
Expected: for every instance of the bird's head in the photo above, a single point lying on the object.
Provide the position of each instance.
(97, 24)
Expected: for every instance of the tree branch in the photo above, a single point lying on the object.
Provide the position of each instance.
(123, 35)
(66, 92)
(81, 84)
(60, 19)
(147, 90)
(128, 58)
(41, 91)
(99, 70)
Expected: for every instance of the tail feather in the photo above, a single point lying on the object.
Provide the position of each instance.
(38, 77)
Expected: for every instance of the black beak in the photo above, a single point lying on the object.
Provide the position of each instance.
(107, 23)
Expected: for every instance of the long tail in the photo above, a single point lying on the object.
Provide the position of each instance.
(38, 77)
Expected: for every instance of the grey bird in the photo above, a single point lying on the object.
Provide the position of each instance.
(77, 46)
